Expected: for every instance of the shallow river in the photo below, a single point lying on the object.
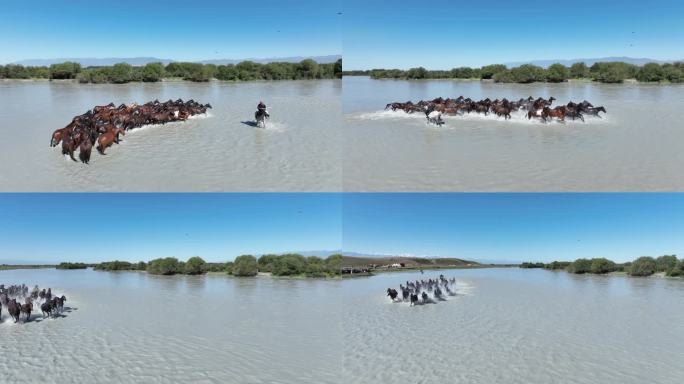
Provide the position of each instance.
(131, 327)
(299, 150)
(503, 326)
(637, 146)
(517, 326)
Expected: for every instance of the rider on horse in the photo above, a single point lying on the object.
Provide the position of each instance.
(262, 108)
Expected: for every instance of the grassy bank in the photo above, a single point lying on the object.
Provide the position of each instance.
(6, 267)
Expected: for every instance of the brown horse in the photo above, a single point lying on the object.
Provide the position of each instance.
(26, 309)
(548, 113)
(59, 134)
(105, 140)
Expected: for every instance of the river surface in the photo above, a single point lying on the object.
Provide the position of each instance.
(504, 326)
(517, 326)
(637, 146)
(131, 327)
(299, 150)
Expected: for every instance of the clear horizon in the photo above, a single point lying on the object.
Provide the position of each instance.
(75, 227)
(212, 30)
(496, 227)
(394, 34)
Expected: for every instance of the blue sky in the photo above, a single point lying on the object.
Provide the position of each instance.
(515, 227)
(217, 227)
(170, 29)
(447, 34)
(495, 227)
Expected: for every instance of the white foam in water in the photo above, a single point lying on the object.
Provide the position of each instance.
(517, 117)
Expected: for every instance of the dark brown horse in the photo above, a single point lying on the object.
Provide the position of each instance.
(26, 309)
(69, 145)
(14, 309)
(85, 150)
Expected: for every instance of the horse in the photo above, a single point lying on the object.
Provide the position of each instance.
(69, 145)
(105, 140)
(46, 308)
(260, 116)
(436, 120)
(414, 299)
(84, 151)
(548, 113)
(594, 111)
(26, 309)
(14, 309)
(60, 303)
(59, 134)
(501, 110)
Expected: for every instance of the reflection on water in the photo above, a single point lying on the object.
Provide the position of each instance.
(298, 151)
(636, 147)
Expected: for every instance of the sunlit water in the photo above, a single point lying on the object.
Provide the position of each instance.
(504, 326)
(131, 327)
(637, 146)
(299, 150)
(516, 326)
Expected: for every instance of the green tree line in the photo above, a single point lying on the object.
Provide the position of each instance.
(152, 72)
(643, 266)
(604, 72)
(290, 264)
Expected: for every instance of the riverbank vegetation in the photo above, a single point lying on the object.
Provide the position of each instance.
(643, 266)
(603, 72)
(65, 265)
(153, 72)
(290, 264)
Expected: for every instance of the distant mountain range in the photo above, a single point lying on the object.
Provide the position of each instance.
(138, 61)
(590, 61)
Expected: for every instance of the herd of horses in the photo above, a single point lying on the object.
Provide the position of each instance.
(539, 108)
(104, 124)
(19, 301)
(421, 292)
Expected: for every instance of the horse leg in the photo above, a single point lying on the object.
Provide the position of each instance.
(71, 155)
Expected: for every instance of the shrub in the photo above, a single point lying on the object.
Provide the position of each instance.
(531, 265)
(643, 266)
(555, 265)
(65, 265)
(528, 73)
(121, 73)
(152, 72)
(650, 72)
(488, 71)
(66, 70)
(266, 262)
(580, 266)
(579, 71)
(666, 263)
(557, 73)
(289, 264)
(602, 265)
(678, 270)
(245, 265)
(417, 73)
(165, 266)
(194, 266)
